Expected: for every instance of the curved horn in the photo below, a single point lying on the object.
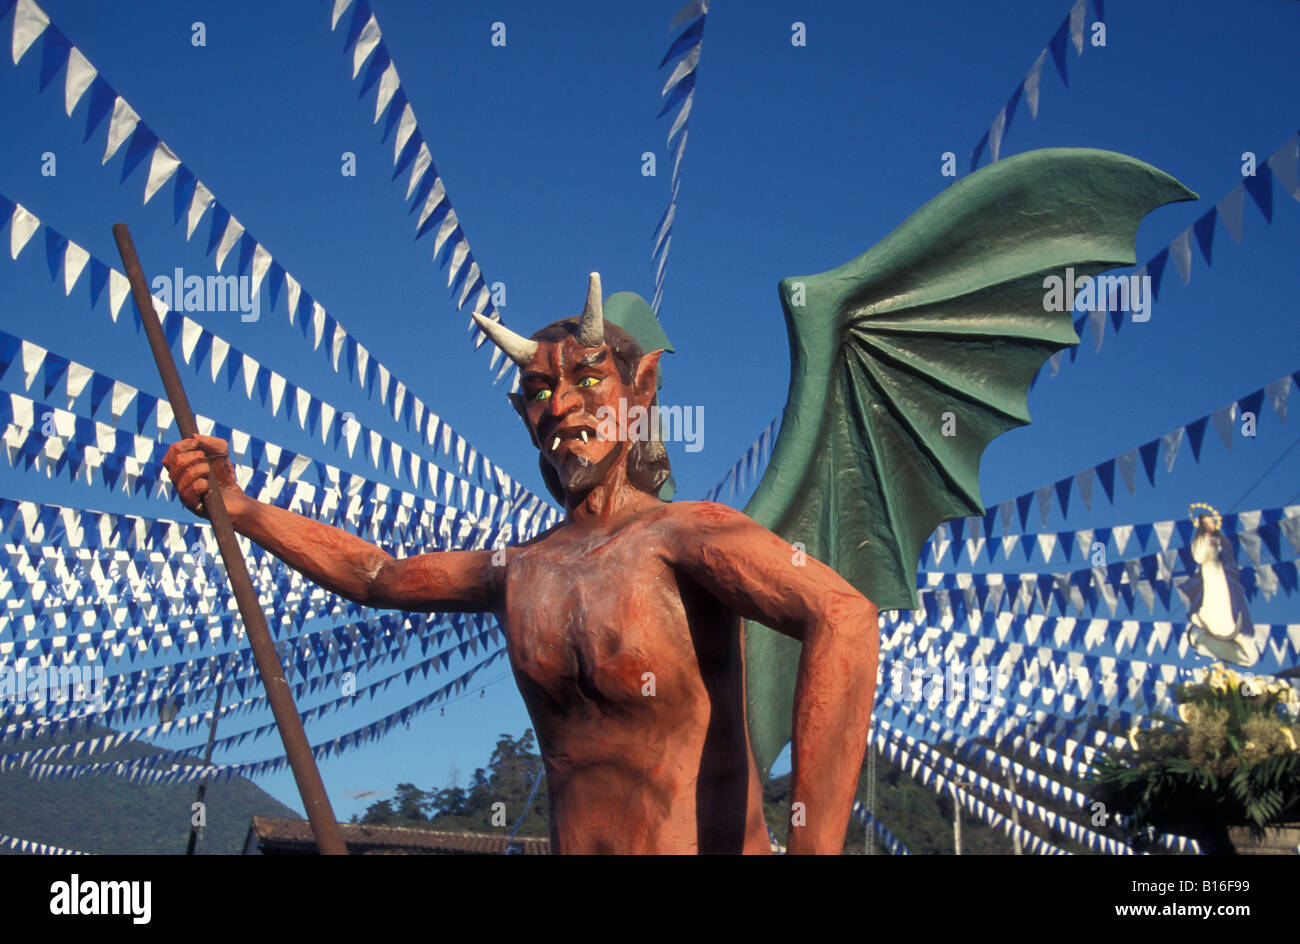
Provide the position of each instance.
(518, 349)
(591, 332)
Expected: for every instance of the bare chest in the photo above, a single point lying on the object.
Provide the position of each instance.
(596, 620)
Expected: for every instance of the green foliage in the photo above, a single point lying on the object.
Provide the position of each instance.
(1229, 760)
(507, 780)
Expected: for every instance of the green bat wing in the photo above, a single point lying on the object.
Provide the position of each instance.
(907, 361)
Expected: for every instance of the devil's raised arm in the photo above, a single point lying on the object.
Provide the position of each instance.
(445, 581)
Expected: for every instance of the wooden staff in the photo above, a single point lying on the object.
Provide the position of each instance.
(323, 824)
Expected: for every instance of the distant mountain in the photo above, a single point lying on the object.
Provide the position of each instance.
(110, 815)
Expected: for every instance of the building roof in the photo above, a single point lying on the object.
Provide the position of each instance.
(294, 837)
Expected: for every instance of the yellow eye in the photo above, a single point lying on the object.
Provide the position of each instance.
(588, 381)
(541, 395)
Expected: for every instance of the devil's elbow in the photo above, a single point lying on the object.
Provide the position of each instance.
(374, 583)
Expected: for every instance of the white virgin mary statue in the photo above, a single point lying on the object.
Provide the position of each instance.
(1216, 600)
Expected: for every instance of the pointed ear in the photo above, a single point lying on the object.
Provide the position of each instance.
(646, 382)
(517, 401)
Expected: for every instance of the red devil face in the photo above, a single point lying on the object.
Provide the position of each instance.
(564, 388)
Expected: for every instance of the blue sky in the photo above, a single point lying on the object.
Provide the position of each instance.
(799, 158)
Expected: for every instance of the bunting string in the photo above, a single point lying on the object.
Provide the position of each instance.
(679, 89)
(36, 848)
(1282, 167)
(426, 189)
(139, 772)
(863, 817)
(1250, 531)
(1071, 30)
(1228, 422)
(90, 746)
(193, 199)
(199, 347)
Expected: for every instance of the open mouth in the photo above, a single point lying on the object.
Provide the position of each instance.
(568, 438)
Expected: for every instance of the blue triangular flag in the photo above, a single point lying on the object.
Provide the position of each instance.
(1057, 46)
(1204, 230)
(1156, 269)
(1260, 188)
(1195, 434)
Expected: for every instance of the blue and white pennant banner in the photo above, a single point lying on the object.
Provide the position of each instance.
(679, 89)
(1071, 30)
(426, 189)
(198, 346)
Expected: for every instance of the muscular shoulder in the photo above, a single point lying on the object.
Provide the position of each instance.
(701, 524)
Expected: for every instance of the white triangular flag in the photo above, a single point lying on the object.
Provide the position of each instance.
(1127, 465)
(1278, 392)
(448, 226)
(405, 128)
(678, 123)
(118, 289)
(1222, 419)
(340, 7)
(471, 279)
(30, 22)
(293, 292)
(1171, 443)
(1084, 480)
(261, 264)
(1164, 531)
(1076, 24)
(161, 168)
(1284, 163)
(33, 356)
(688, 11)
(684, 68)
(78, 376)
(995, 134)
(1047, 544)
(121, 127)
(1290, 528)
(423, 160)
(366, 43)
(458, 256)
(388, 86)
(277, 392)
(1230, 211)
(1180, 250)
(80, 74)
(1097, 321)
(22, 227)
(199, 204)
(220, 349)
(74, 262)
(1250, 543)
(1266, 581)
(1032, 82)
(435, 198)
(190, 332)
(234, 229)
(1044, 496)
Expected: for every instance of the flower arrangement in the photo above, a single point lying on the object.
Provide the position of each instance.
(1229, 758)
